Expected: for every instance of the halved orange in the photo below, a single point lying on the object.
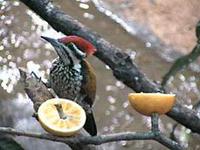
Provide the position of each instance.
(148, 103)
(67, 123)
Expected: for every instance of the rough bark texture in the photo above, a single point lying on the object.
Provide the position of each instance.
(121, 64)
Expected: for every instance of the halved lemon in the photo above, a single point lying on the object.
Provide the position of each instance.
(148, 103)
(61, 117)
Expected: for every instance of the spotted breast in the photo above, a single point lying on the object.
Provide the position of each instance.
(65, 80)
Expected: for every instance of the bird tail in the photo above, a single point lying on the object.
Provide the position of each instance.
(90, 125)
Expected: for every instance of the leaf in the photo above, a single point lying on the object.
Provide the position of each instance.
(7, 143)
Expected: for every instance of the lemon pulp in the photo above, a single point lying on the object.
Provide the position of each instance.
(73, 120)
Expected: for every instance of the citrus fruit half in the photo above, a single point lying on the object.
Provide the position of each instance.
(148, 103)
(61, 117)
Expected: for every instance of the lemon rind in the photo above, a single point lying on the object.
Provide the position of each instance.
(142, 108)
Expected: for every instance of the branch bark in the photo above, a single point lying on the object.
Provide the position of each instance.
(154, 134)
(84, 140)
(122, 66)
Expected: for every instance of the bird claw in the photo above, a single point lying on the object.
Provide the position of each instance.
(47, 84)
(89, 109)
(35, 75)
(86, 107)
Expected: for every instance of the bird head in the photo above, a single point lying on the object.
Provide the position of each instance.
(80, 42)
(68, 53)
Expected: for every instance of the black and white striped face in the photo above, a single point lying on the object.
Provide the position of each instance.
(69, 54)
(75, 55)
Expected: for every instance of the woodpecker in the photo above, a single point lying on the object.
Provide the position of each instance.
(72, 77)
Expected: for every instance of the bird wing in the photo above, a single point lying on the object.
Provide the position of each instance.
(89, 82)
(89, 90)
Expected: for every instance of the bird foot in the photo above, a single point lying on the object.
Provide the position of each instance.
(87, 108)
(40, 79)
(35, 75)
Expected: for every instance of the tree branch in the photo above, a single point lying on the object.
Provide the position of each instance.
(39, 93)
(101, 139)
(96, 140)
(121, 64)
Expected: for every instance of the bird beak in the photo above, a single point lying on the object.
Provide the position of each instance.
(53, 42)
(59, 47)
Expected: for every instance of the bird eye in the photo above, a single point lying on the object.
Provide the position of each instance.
(77, 52)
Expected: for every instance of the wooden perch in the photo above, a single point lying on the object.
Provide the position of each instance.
(34, 88)
(122, 66)
(97, 140)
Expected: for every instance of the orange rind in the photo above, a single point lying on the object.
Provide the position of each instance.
(50, 119)
(148, 103)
